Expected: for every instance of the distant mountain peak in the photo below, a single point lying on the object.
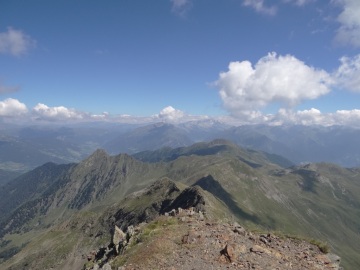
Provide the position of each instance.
(98, 155)
(100, 152)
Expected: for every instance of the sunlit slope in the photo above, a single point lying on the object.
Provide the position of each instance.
(317, 201)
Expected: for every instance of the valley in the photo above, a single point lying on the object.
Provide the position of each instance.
(69, 210)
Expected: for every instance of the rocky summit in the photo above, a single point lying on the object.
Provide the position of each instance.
(185, 239)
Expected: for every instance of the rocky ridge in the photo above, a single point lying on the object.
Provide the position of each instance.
(185, 239)
(73, 211)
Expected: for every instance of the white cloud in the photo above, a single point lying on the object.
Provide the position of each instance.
(315, 117)
(349, 19)
(245, 90)
(259, 6)
(171, 114)
(15, 42)
(180, 7)
(103, 116)
(305, 117)
(299, 2)
(43, 112)
(348, 74)
(12, 107)
(347, 117)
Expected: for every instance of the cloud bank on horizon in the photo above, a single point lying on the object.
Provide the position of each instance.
(246, 89)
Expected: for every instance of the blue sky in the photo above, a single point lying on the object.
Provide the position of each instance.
(254, 61)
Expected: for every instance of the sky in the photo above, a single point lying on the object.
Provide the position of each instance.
(240, 61)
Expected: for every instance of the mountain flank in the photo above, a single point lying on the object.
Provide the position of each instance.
(70, 210)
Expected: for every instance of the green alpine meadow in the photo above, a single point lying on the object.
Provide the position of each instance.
(53, 216)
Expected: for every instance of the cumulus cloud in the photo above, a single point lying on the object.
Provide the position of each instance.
(15, 42)
(43, 112)
(171, 114)
(347, 117)
(305, 117)
(316, 117)
(245, 89)
(13, 110)
(347, 75)
(309, 117)
(349, 19)
(259, 6)
(180, 7)
(12, 107)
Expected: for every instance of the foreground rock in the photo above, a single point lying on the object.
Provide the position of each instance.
(183, 239)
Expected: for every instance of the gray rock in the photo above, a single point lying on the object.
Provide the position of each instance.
(130, 231)
(201, 215)
(238, 229)
(119, 238)
(106, 267)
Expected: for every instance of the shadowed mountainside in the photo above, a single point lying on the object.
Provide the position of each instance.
(82, 201)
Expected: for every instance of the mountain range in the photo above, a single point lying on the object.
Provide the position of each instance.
(53, 215)
(25, 148)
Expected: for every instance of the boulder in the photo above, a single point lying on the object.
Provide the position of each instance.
(119, 239)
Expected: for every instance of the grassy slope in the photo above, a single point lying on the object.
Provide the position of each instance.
(260, 194)
(63, 246)
(329, 211)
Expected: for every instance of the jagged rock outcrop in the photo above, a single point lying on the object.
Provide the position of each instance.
(161, 197)
(182, 239)
(190, 197)
(119, 239)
